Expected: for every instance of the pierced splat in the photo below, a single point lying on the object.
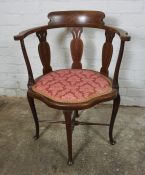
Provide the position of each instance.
(76, 47)
(107, 52)
(44, 51)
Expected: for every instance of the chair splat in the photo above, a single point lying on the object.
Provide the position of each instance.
(107, 52)
(44, 51)
(76, 47)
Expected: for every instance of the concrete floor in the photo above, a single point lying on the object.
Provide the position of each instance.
(21, 155)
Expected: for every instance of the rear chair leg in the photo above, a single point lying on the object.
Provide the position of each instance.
(33, 109)
(67, 115)
(116, 104)
(76, 114)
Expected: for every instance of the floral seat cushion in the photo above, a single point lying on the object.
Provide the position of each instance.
(72, 85)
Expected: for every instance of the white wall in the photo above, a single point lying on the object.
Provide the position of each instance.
(17, 15)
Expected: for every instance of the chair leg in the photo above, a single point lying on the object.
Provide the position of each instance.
(67, 115)
(76, 114)
(33, 109)
(116, 104)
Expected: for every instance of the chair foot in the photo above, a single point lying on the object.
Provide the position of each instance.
(35, 137)
(112, 142)
(69, 162)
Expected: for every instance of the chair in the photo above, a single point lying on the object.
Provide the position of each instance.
(71, 90)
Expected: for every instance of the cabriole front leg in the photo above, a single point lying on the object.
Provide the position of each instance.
(33, 109)
(116, 104)
(67, 115)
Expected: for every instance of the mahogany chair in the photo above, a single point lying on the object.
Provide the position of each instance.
(74, 89)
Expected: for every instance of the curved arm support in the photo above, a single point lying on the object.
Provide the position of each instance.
(117, 67)
(29, 69)
(25, 33)
(122, 33)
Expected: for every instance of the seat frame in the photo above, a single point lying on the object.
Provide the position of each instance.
(75, 21)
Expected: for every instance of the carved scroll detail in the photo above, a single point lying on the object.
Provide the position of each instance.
(76, 47)
(44, 51)
(107, 52)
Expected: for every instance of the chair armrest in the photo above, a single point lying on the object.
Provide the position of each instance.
(122, 33)
(25, 33)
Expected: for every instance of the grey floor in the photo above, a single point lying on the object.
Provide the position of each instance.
(93, 155)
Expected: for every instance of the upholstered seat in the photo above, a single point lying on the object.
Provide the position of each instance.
(72, 85)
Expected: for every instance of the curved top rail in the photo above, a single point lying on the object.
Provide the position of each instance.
(76, 18)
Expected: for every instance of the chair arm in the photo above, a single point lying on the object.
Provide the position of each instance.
(122, 33)
(25, 33)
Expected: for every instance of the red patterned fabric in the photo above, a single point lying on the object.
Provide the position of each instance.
(72, 85)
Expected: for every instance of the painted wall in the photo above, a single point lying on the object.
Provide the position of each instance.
(17, 15)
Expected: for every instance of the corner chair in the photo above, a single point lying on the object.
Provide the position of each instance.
(74, 89)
